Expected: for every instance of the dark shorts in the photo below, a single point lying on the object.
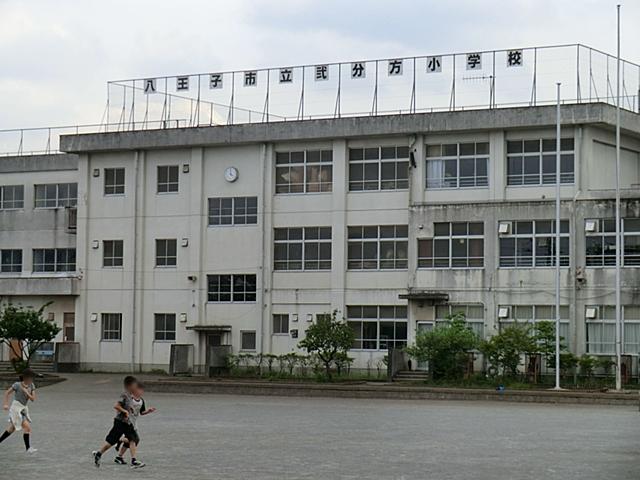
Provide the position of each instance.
(119, 429)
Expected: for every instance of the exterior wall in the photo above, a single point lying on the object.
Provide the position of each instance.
(28, 228)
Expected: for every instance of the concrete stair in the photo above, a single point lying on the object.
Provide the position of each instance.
(38, 367)
(411, 376)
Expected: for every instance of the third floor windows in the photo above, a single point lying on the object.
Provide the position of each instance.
(533, 162)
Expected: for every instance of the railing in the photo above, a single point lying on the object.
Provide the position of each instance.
(418, 84)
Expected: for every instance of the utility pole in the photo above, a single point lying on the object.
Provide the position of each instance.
(557, 240)
(618, 221)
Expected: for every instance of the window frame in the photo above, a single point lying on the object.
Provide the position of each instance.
(440, 184)
(232, 291)
(476, 324)
(565, 321)
(116, 186)
(323, 163)
(397, 318)
(363, 240)
(450, 239)
(250, 211)
(607, 231)
(565, 260)
(166, 257)
(280, 320)
(105, 318)
(305, 241)
(168, 183)
(255, 340)
(58, 200)
(610, 322)
(399, 161)
(15, 204)
(112, 245)
(57, 254)
(12, 266)
(540, 154)
(164, 332)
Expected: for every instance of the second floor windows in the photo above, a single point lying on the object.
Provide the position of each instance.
(601, 242)
(303, 248)
(114, 181)
(112, 253)
(305, 171)
(532, 243)
(54, 259)
(11, 197)
(458, 165)
(375, 247)
(10, 260)
(166, 252)
(168, 178)
(454, 245)
(53, 195)
(233, 211)
(378, 168)
(231, 288)
(533, 162)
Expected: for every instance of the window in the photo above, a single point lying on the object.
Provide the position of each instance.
(113, 253)
(378, 327)
(377, 247)
(280, 323)
(378, 168)
(114, 181)
(601, 330)
(11, 197)
(457, 165)
(248, 340)
(166, 252)
(165, 327)
(454, 245)
(233, 211)
(473, 314)
(231, 288)
(53, 195)
(306, 171)
(112, 327)
(168, 178)
(537, 313)
(532, 244)
(54, 259)
(307, 248)
(10, 261)
(601, 243)
(533, 162)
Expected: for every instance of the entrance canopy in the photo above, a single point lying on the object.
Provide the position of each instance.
(430, 297)
(210, 328)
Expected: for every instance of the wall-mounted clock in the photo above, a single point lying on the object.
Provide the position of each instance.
(231, 174)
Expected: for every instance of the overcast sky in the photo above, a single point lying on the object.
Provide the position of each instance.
(56, 56)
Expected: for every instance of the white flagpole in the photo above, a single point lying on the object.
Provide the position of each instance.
(618, 240)
(557, 241)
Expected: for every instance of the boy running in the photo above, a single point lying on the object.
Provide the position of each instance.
(19, 419)
(138, 408)
(121, 425)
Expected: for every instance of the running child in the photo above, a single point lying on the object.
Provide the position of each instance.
(138, 408)
(121, 425)
(19, 419)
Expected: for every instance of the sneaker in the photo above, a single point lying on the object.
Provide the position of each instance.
(96, 458)
(32, 450)
(137, 464)
(120, 461)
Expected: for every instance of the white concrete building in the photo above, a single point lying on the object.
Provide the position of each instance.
(243, 234)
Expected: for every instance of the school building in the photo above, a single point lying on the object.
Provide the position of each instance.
(242, 234)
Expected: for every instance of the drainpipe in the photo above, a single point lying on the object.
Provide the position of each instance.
(135, 259)
(265, 309)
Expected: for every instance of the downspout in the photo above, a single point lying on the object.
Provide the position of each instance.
(265, 309)
(135, 259)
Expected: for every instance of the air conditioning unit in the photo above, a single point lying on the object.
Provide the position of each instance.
(503, 312)
(591, 312)
(504, 228)
(591, 226)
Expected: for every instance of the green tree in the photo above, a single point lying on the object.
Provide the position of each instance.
(446, 347)
(544, 336)
(24, 331)
(506, 348)
(329, 339)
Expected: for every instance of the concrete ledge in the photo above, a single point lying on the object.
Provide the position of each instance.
(386, 391)
(38, 163)
(366, 126)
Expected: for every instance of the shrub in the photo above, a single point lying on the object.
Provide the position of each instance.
(505, 349)
(446, 347)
